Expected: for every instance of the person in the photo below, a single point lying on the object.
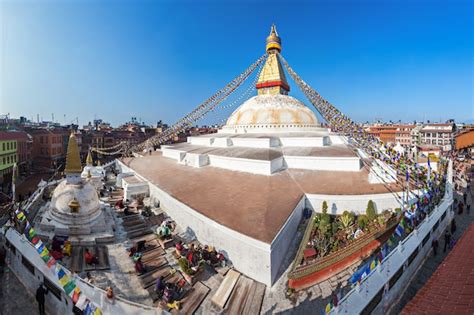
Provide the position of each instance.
(127, 211)
(40, 293)
(468, 208)
(447, 240)
(453, 227)
(160, 286)
(139, 267)
(89, 278)
(435, 244)
(464, 196)
(179, 248)
(91, 259)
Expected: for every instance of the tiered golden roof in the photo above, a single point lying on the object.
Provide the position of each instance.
(272, 79)
(73, 159)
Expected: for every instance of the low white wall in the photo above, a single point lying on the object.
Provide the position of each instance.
(244, 165)
(357, 204)
(323, 163)
(303, 141)
(205, 141)
(284, 238)
(172, 153)
(251, 142)
(195, 159)
(131, 190)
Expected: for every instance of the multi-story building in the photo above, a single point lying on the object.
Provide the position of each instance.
(8, 157)
(403, 135)
(24, 150)
(386, 133)
(49, 147)
(436, 134)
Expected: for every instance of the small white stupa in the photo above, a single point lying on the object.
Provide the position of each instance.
(75, 209)
(93, 174)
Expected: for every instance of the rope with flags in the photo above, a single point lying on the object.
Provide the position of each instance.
(64, 276)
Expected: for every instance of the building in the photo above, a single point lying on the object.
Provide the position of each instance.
(403, 135)
(8, 157)
(436, 134)
(49, 147)
(465, 140)
(24, 150)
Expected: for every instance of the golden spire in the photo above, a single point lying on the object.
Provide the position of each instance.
(89, 160)
(73, 160)
(272, 79)
(273, 40)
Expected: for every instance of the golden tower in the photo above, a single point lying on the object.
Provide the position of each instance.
(272, 79)
(89, 160)
(73, 159)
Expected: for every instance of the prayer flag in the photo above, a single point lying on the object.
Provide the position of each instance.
(373, 265)
(75, 295)
(51, 262)
(328, 308)
(81, 302)
(20, 216)
(61, 273)
(64, 281)
(97, 311)
(40, 248)
(88, 309)
(46, 258)
(69, 287)
(31, 233)
(35, 240)
(399, 230)
(44, 252)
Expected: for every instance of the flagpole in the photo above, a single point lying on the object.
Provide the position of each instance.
(13, 183)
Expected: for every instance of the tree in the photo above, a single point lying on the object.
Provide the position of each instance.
(370, 211)
(325, 206)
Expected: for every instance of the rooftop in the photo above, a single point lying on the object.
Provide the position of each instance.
(255, 205)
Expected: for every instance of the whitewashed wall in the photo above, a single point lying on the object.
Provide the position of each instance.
(244, 165)
(351, 164)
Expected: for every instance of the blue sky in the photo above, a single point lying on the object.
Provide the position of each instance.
(391, 60)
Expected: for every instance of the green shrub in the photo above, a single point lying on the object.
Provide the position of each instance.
(184, 265)
(362, 221)
(370, 211)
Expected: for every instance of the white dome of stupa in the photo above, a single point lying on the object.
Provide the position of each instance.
(279, 111)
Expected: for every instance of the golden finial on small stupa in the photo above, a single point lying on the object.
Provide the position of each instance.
(74, 205)
(273, 40)
(89, 160)
(73, 159)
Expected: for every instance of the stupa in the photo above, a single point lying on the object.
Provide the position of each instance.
(93, 174)
(75, 209)
(244, 189)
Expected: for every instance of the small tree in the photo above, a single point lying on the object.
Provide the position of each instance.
(370, 211)
(325, 206)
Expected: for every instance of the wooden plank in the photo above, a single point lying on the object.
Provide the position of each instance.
(148, 237)
(191, 302)
(255, 300)
(155, 261)
(239, 296)
(77, 256)
(138, 233)
(151, 278)
(135, 227)
(225, 289)
(103, 254)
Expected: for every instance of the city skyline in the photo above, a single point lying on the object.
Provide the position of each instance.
(158, 62)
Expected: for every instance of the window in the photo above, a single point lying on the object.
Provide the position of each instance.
(412, 256)
(28, 264)
(3, 146)
(444, 215)
(435, 226)
(53, 288)
(395, 277)
(373, 303)
(425, 240)
(8, 145)
(41, 139)
(4, 161)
